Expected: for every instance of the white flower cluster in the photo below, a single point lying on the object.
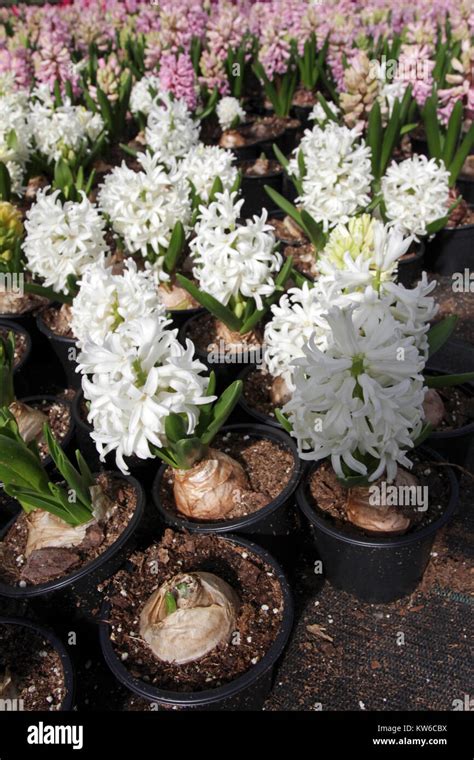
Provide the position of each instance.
(144, 206)
(62, 239)
(171, 129)
(319, 115)
(360, 401)
(15, 136)
(358, 267)
(106, 300)
(63, 131)
(204, 163)
(336, 183)
(229, 112)
(139, 375)
(234, 259)
(416, 193)
(143, 93)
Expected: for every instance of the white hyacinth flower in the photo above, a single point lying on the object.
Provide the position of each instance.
(229, 112)
(63, 131)
(143, 94)
(15, 137)
(62, 239)
(337, 179)
(359, 402)
(232, 259)
(204, 163)
(106, 300)
(139, 375)
(416, 193)
(144, 207)
(171, 129)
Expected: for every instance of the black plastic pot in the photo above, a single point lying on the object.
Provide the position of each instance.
(378, 569)
(465, 186)
(250, 411)
(302, 113)
(247, 692)
(180, 316)
(27, 321)
(451, 250)
(225, 372)
(253, 190)
(411, 266)
(65, 350)
(58, 646)
(81, 584)
(275, 520)
(453, 445)
(34, 400)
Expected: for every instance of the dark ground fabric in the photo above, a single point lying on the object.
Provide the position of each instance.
(415, 654)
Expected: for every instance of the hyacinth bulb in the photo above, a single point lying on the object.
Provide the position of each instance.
(433, 408)
(279, 392)
(46, 531)
(30, 421)
(211, 488)
(188, 616)
(378, 518)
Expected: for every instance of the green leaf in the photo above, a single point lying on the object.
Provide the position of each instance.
(19, 466)
(284, 422)
(205, 411)
(5, 183)
(40, 290)
(222, 409)
(188, 451)
(440, 332)
(424, 434)
(374, 138)
(86, 474)
(286, 206)
(63, 178)
(280, 157)
(452, 134)
(106, 110)
(432, 130)
(72, 477)
(170, 603)
(175, 248)
(390, 137)
(217, 187)
(210, 303)
(461, 155)
(175, 427)
(446, 381)
(325, 106)
(408, 128)
(315, 231)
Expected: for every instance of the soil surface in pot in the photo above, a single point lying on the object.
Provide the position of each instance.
(261, 167)
(34, 666)
(459, 408)
(20, 343)
(260, 130)
(322, 488)
(254, 454)
(256, 392)
(50, 563)
(203, 333)
(59, 420)
(257, 625)
(461, 216)
(54, 319)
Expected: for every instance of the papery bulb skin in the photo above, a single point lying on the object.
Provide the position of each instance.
(211, 488)
(378, 518)
(279, 391)
(433, 407)
(30, 421)
(188, 616)
(174, 297)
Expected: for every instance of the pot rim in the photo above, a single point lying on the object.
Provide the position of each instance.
(14, 327)
(16, 592)
(207, 696)
(236, 523)
(43, 327)
(382, 542)
(57, 644)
